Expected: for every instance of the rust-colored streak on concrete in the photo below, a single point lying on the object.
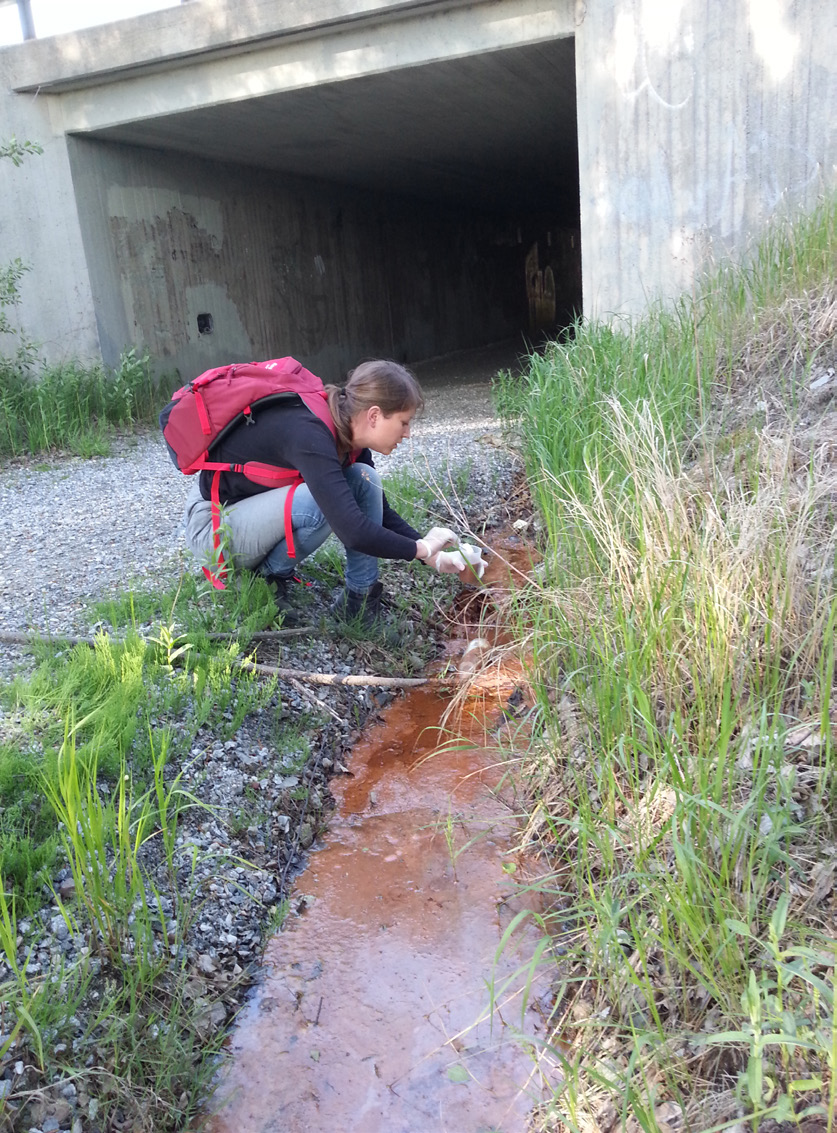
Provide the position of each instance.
(376, 1001)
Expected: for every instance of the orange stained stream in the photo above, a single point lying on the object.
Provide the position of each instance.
(374, 1014)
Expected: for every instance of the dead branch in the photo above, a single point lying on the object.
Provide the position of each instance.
(263, 634)
(361, 680)
(313, 699)
(32, 638)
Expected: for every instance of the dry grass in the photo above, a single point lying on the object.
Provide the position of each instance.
(793, 337)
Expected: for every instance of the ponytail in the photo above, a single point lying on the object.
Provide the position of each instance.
(337, 399)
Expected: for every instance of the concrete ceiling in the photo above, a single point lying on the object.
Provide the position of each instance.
(497, 131)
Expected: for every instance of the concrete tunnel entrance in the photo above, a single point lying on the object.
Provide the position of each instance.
(409, 214)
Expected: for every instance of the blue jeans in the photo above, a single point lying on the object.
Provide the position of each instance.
(311, 529)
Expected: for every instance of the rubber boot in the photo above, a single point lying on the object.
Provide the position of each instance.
(363, 607)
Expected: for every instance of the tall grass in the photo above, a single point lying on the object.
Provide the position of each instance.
(70, 407)
(773, 309)
(683, 772)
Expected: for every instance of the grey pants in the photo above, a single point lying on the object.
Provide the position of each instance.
(254, 525)
(253, 529)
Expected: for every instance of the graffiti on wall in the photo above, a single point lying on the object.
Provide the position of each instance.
(176, 281)
(540, 291)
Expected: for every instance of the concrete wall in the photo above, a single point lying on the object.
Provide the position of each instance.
(227, 52)
(39, 223)
(283, 265)
(699, 121)
(200, 30)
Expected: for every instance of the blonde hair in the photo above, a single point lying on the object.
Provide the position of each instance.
(381, 382)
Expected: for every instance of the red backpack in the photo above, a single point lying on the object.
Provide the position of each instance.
(204, 411)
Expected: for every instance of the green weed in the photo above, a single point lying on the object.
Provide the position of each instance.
(278, 917)
(150, 1043)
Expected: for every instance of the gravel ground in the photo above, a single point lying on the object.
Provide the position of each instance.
(82, 529)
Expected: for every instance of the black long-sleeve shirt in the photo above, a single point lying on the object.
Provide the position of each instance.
(290, 436)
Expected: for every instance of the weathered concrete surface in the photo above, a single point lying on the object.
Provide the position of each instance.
(399, 99)
(332, 273)
(695, 122)
(699, 121)
(188, 31)
(39, 224)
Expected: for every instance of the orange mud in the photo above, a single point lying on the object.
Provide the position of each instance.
(375, 1001)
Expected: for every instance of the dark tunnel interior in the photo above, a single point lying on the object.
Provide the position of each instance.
(411, 213)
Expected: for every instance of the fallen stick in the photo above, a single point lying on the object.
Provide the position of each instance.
(312, 698)
(31, 638)
(263, 634)
(363, 680)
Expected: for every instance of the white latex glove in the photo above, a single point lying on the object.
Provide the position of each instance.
(447, 562)
(465, 558)
(436, 539)
(473, 558)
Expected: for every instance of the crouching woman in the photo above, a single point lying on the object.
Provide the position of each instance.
(341, 492)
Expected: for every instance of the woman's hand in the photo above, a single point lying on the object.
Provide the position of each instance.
(448, 562)
(465, 557)
(436, 539)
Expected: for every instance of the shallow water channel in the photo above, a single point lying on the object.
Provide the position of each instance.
(374, 1014)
